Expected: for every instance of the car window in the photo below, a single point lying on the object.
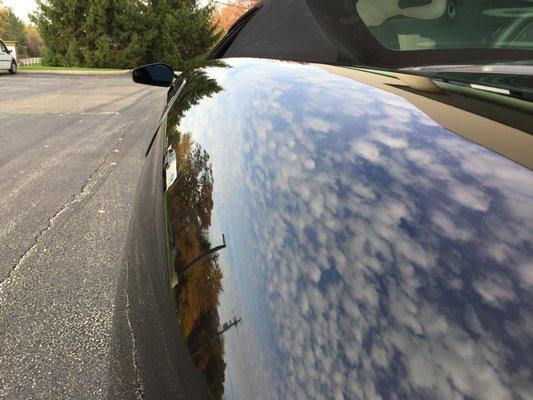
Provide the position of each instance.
(3, 47)
(408, 25)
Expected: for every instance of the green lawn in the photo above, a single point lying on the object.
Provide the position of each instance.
(38, 67)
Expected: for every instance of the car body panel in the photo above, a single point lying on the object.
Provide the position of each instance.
(335, 232)
(5, 57)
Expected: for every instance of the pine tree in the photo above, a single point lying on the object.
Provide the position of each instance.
(60, 23)
(185, 32)
(97, 27)
(124, 33)
(133, 32)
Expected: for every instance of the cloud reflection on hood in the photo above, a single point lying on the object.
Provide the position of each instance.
(372, 254)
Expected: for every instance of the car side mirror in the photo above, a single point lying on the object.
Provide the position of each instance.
(158, 74)
(9, 51)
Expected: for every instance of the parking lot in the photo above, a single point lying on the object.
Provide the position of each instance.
(71, 151)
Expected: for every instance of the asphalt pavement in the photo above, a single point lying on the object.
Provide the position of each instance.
(71, 152)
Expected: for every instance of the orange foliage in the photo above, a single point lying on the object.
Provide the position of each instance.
(189, 204)
(34, 41)
(225, 15)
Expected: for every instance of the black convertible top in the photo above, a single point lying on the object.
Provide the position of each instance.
(286, 29)
(331, 32)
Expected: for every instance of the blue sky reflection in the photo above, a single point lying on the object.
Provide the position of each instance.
(371, 253)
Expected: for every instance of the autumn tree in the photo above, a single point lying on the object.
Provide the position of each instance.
(12, 28)
(34, 42)
(226, 14)
(189, 204)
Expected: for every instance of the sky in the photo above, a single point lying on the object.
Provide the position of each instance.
(371, 252)
(21, 7)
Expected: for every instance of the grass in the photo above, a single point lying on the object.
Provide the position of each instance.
(39, 67)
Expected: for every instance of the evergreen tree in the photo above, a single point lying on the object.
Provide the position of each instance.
(133, 31)
(123, 33)
(97, 28)
(60, 23)
(184, 32)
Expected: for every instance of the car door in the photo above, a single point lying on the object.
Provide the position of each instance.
(264, 242)
(5, 57)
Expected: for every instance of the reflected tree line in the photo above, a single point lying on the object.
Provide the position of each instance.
(189, 204)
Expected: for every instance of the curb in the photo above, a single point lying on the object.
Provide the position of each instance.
(54, 72)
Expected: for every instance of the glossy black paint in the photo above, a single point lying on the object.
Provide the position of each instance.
(333, 233)
(158, 74)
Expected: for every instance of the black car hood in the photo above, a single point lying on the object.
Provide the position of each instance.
(372, 248)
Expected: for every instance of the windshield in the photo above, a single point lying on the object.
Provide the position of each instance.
(407, 25)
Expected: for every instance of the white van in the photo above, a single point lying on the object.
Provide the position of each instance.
(8, 60)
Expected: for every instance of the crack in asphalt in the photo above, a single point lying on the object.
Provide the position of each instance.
(76, 199)
(138, 384)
